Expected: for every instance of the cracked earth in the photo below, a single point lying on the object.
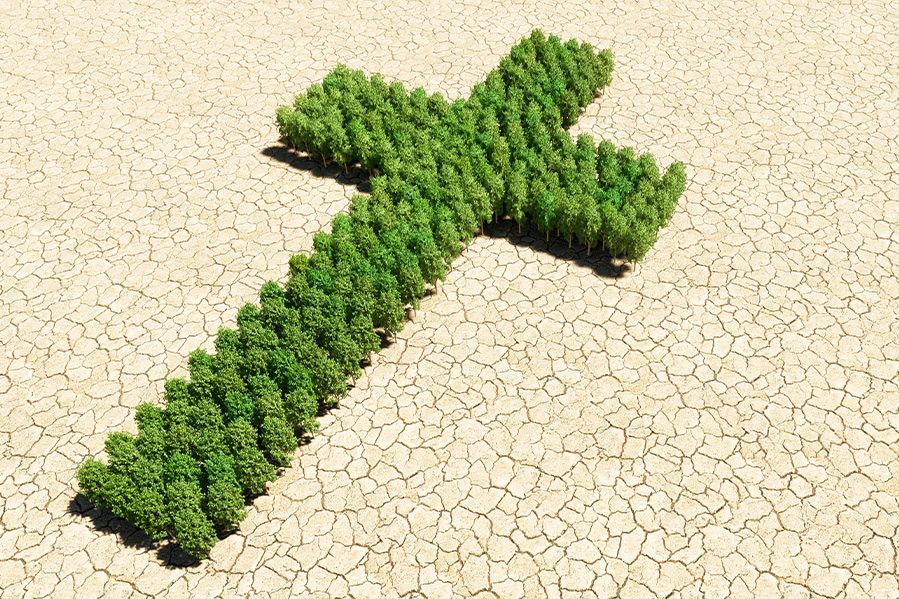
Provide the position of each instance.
(723, 421)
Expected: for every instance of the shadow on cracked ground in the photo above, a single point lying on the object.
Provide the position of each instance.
(168, 553)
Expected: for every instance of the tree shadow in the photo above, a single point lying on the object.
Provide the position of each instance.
(600, 261)
(167, 552)
(351, 176)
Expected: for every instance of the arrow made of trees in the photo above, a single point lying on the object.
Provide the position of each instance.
(439, 170)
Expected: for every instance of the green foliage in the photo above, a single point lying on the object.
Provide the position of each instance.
(324, 373)
(267, 397)
(180, 466)
(224, 504)
(92, 476)
(119, 493)
(545, 212)
(250, 466)
(239, 405)
(191, 527)
(122, 451)
(278, 440)
(149, 513)
(388, 313)
(202, 377)
(208, 427)
(301, 408)
(440, 171)
(256, 340)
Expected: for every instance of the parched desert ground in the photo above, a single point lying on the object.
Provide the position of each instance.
(721, 421)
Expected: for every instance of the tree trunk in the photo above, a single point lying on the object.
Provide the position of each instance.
(588, 249)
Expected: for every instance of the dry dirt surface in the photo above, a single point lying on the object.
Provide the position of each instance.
(723, 421)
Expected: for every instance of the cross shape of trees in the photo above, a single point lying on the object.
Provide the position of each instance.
(439, 170)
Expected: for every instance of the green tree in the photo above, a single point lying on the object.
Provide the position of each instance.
(671, 187)
(607, 167)
(360, 140)
(569, 214)
(114, 492)
(148, 509)
(589, 224)
(301, 409)
(389, 313)
(181, 466)
(202, 376)
(193, 530)
(546, 210)
(207, 424)
(257, 340)
(224, 497)
(615, 229)
(250, 466)
(278, 440)
(273, 303)
(151, 430)
(430, 259)
(501, 158)
(227, 365)
(517, 197)
(337, 142)
(92, 476)
(267, 396)
(327, 378)
(446, 232)
(179, 417)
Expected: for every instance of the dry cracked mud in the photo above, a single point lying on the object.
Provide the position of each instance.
(723, 421)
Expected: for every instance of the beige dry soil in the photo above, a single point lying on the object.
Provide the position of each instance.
(721, 421)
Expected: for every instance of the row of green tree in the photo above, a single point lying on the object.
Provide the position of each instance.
(192, 466)
(442, 170)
